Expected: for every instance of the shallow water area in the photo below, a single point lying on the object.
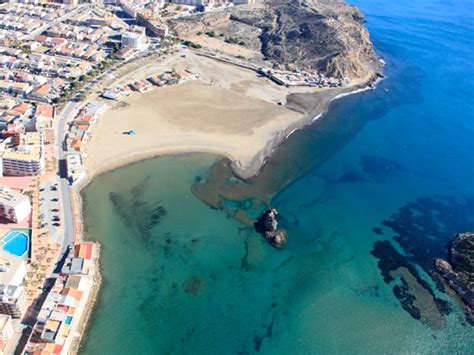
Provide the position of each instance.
(383, 172)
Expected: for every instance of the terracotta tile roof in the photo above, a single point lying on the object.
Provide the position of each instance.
(76, 143)
(83, 127)
(83, 250)
(43, 89)
(22, 108)
(58, 40)
(62, 308)
(20, 86)
(72, 293)
(87, 118)
(45, 110)
(41, 38)
(4, 84)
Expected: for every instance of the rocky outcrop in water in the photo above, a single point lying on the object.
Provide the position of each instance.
(458, 270)
(267, 225)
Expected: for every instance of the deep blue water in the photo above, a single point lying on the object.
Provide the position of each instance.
(364, 226)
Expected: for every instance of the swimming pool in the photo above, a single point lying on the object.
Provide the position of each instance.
(16, 243)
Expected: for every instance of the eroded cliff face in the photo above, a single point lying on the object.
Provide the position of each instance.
(458, 270)
(327, 35)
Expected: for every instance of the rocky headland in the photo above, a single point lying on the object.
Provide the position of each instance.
(326, 35)
(458, 271)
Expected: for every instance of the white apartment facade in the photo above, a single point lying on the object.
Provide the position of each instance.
(14, 206)
(134, 40)
(6, 331)
(12, 295)
(24, 159)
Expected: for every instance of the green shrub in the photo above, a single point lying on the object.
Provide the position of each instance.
(232, 40)
(192, 44)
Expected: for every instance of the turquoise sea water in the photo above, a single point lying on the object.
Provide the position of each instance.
(364, 223)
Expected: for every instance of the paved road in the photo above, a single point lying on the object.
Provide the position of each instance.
(67, 115)
(68, 222)
(31, 315)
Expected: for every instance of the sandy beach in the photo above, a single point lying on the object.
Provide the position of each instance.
(229, 111)
(191, 117)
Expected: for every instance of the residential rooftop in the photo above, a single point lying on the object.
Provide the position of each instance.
(11, 197)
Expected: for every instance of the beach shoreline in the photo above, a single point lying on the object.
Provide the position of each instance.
(91, 303)
(257, 163)
(242, 169)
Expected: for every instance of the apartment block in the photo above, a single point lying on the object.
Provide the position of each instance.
(12, 274)
(14, 206)
(134, 40)
(6, 331)
(24, 158)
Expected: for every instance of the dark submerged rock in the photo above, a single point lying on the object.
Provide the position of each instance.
(414, 293)
(267, 225)
(377, 230)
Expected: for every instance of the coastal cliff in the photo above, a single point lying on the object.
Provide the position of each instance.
(458, 271)
(326, 35)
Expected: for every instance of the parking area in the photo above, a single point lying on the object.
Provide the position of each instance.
(50, 208)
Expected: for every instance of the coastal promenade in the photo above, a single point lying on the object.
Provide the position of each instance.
(68, 233)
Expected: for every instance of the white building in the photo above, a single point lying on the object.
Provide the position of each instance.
(14, 206)
(6, 331)
(44, 117)
(75, 169)
(190, 2)
(70, 2)
(12, 274)
(211, 3)
(134, 40)
(24, 158)
(158, 4)
(243, 2)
